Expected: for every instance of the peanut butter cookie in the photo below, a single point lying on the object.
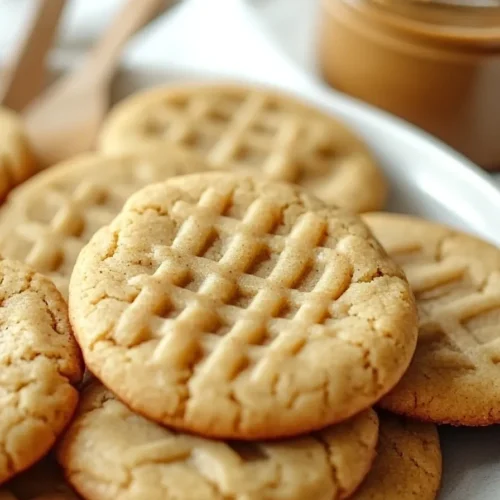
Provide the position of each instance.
(238, 308)
(235, 126)
(454, 376)
(110, 453)
(49, 219)
(39, 365)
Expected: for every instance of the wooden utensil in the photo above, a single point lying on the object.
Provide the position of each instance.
(24, 76)
(65, 120)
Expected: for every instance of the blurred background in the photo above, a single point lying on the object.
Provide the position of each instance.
(291, 22)
(434, 64)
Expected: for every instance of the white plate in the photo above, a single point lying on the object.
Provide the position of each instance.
(223, 38)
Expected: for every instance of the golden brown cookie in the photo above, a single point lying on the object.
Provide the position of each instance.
(51, 217)
(236, 126)
(110, 453)
(17, 161)
(39, 364)
(233, 307)
(454, 376)
(408, 462)
(43, 481)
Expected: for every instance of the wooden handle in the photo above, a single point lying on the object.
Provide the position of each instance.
(133, 16)
(25, 75)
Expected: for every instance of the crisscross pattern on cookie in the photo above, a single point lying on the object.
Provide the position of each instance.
(47, 224)
(459, 313)
(251, 129)
(453, 377)
(253, 268)
(223, 285)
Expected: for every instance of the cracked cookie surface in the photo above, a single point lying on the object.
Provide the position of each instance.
(110, 453)
(274, 134)
(232, 307)
(454, 376)
(48, 219)
(408, 464)
(39, 364)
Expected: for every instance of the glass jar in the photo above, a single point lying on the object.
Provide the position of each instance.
(436, 65)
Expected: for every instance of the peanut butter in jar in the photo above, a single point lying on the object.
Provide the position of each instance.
(436, 65)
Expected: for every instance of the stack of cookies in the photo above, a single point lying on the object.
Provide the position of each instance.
(237, 327)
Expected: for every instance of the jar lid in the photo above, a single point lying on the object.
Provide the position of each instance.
(458, 21)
